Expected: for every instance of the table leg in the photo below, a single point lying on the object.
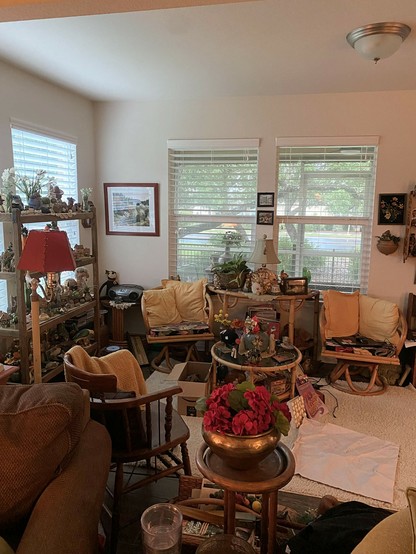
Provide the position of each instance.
(293, 373)
(272, 522)
(291, 322)
(265, 527)
(229, 512)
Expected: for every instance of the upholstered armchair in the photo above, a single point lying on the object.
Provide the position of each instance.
(53, 472)
(360, 331)
(177, 316)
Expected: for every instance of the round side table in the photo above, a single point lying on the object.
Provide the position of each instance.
(266, 479)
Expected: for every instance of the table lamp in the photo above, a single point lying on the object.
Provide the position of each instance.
(263, 253)
(44, 252)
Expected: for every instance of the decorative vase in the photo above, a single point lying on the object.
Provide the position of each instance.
(242, 452)
(228, 336)
(387, 246)
(256, 341)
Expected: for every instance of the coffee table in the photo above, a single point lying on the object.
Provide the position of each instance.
(270, 366)
(270, 475)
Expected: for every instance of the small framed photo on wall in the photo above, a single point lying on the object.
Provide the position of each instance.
(265, 199)
(391, 209)
(265, 217)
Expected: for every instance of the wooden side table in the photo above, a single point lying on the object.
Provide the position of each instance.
(266, 479)
(268, 366)
(117, 321)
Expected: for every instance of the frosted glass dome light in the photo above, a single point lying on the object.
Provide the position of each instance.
(378, 40)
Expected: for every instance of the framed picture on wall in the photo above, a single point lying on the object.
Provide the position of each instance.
(132, 209)
(391, 209)
(265, 217)
(265, 199)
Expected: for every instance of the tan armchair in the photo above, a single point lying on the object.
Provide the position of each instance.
(379, 330)
(177, 316)
(53, 472)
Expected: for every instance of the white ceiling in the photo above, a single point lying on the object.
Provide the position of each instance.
(265, 47)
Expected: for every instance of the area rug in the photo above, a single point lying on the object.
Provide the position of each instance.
(389, 417)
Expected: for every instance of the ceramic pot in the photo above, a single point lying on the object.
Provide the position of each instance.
(228, 337)
(35, 202)
(257, 341)
(387, 246)
(242, 452)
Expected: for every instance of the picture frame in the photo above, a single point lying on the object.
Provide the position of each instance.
(265, 217)
(265, 199)
(132, 209)
(294, 285)
(391, 209)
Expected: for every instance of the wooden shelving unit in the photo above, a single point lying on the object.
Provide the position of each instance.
(22, 330)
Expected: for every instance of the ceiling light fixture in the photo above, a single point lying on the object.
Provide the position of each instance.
(378, 40)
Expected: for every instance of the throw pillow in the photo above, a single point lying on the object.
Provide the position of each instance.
(40, 426)
(190, 299)
(161, 307)
(341, 313)
(378, 319)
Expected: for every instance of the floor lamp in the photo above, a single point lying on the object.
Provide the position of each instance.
(44, 252)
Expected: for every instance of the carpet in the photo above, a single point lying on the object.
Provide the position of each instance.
(389, 417)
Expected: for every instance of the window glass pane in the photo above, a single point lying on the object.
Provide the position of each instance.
(324, 206)
(212, 204)
(32, 151)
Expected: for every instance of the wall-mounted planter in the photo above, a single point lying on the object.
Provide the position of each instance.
(387, 246)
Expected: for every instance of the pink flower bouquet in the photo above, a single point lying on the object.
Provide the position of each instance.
(244, 409)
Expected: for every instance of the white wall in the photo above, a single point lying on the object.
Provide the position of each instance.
(131, 147)
(37, 102)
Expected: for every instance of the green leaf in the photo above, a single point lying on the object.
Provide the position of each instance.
(237, 400)
(201, 405)
(245, 386)
(282, 424)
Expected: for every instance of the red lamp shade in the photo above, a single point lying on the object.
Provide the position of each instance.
(47, 252)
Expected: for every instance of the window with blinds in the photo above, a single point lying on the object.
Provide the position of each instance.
(212, 203)
(34, 150)
(325, 203)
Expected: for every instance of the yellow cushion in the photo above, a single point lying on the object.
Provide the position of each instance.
(341, 313)
(395, 534)
(378, 319)
(190, 298)
(161, 307)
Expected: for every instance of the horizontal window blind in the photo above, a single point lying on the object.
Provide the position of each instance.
(34, 150)
(325, 204)
(212, 195)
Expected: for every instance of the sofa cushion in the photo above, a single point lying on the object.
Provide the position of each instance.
(40, 425)
(378, 319)
(190, 298)
(161, 307)
(341, 313)
(5, 548)
(395, 534)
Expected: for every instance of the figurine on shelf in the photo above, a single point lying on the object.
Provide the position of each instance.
(81, 276)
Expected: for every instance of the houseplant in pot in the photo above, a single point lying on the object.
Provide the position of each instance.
(231, 274)
(387, 243)
(242, 423)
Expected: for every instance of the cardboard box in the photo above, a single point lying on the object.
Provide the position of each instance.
(184, 373)
(187, 407)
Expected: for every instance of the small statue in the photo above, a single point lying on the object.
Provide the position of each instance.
(81, 276)
(111, 281)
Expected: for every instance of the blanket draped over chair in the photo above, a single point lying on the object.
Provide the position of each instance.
(122, 364)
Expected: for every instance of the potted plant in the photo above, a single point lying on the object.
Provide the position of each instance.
(387, 243)
(243, 423)
(231, 274)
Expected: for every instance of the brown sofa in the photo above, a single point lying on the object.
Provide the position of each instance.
(53, 471)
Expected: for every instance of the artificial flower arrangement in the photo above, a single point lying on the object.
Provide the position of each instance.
(32, 186)
(244, 409)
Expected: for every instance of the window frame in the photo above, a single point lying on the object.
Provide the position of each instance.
(365, 221)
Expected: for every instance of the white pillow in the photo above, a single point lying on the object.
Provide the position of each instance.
(379, 319)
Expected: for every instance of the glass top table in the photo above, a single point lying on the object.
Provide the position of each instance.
(283, 360)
